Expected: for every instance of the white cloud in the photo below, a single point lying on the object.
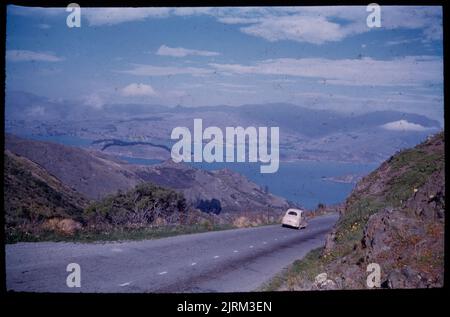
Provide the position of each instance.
(31, 56)
(229, 85)
(411, 71)
(318, 25)
(189, 85)
(236, 91)
(315, 25)
(406, 71)
(37, 111)
(43, 26)
(186, 11)
(236, 20)
(316, 30)
(434, 32)
(182, 52)
(113, 16)
(150, 70)
(400, 42)
(94, 100)
(403, 125)
(427, 105)
(427, 18)
(35, 11)
(138, 90)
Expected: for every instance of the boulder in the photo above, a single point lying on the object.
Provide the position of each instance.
(321, 278)
(322, 282)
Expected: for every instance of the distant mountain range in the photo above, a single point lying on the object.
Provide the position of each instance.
(305, 133)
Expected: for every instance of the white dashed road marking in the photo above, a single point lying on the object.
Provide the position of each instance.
(216, 256)
(251, 247)
(235, 251)
(162, 273)
(193, 263)
(125, 284)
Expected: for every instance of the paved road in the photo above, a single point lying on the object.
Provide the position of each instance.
(223, 261)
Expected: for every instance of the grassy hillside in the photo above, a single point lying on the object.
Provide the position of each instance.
(33, 196)
(394, 217)
(39, 207)
(91, 175)
(96, 175)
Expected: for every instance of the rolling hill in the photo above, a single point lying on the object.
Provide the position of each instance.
(32, 196)
(95, 175)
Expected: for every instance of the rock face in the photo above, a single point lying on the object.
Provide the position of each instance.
(395, 218)
(95, 175)
(409, 239)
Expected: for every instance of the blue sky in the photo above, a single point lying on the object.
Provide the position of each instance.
(316, 57)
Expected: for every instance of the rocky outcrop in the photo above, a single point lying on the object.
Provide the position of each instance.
(409, 240)
(322, 282)
(395, 218)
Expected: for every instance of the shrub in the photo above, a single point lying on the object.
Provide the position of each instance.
(138, 207)
(210, 206)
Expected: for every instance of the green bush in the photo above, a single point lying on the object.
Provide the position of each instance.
(139, 206)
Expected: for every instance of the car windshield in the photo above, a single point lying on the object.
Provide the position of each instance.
(292, 213)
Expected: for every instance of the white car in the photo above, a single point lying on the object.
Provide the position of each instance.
(294, 219)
